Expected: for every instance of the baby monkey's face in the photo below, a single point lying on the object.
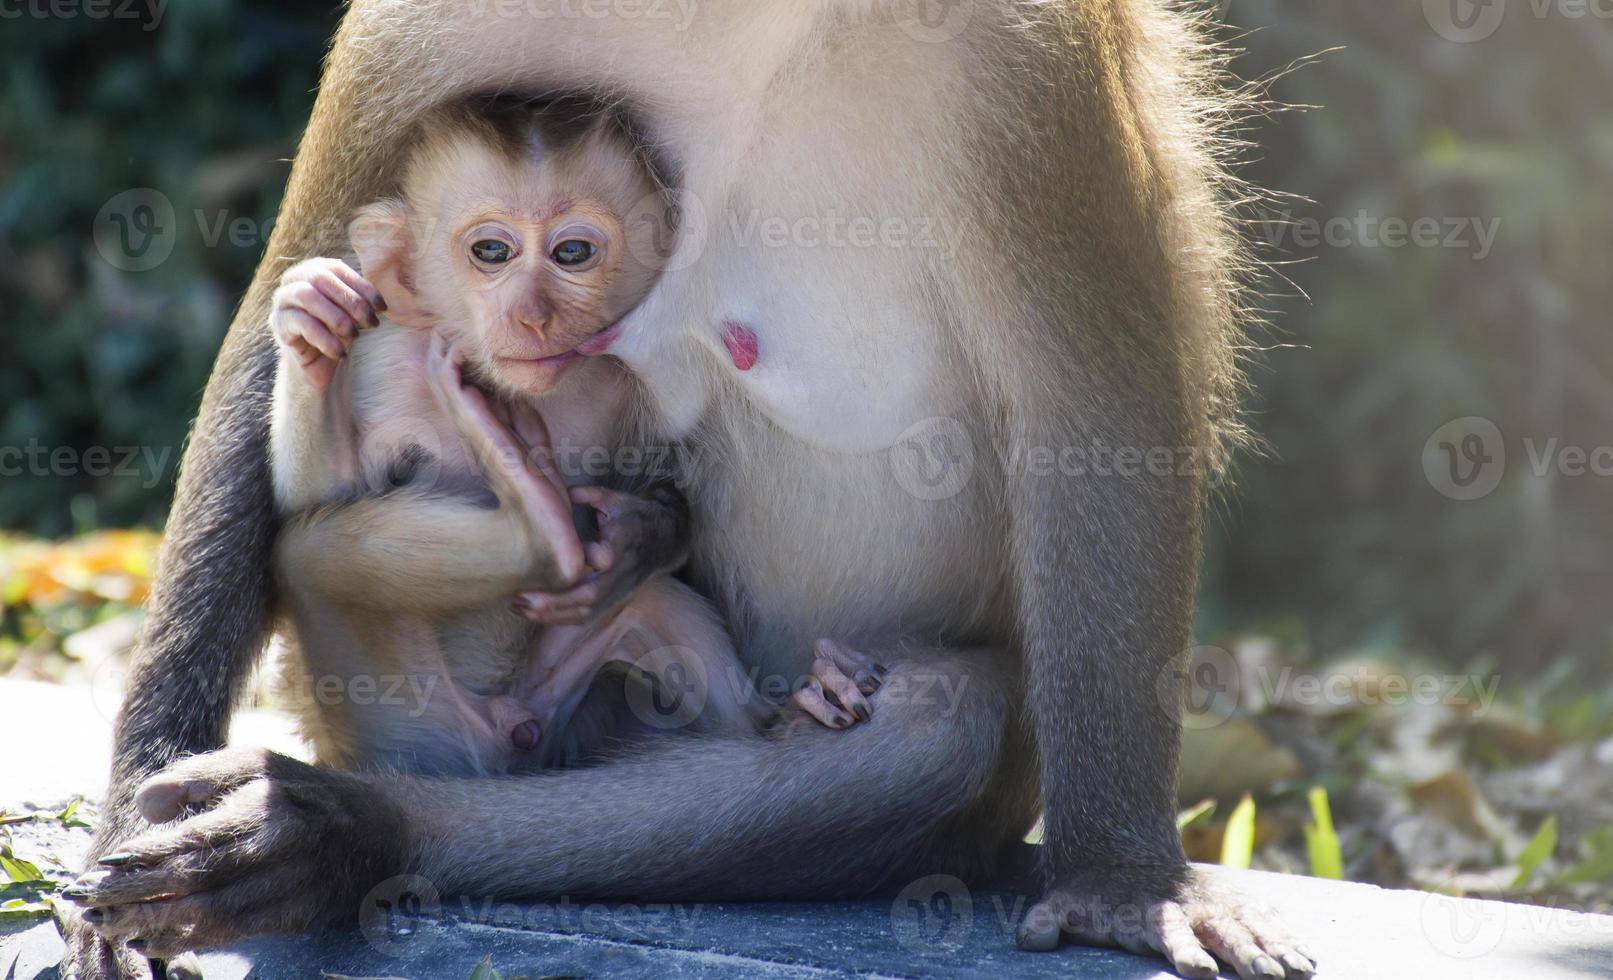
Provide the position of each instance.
(537, 284)
(527, 264)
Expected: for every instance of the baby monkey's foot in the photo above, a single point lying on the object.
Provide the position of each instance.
(838, 685)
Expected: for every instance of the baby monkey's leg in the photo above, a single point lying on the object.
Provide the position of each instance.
(680, 668)
(514, 456)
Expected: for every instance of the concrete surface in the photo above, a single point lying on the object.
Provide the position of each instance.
(934, 928)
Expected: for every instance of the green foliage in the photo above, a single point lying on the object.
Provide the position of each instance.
(1321, 840)
(1539, 848)
(24, 888)
(1200, 811)
(1238, 846)
(19, 871)
(203, 109)
(1339, 527)
(1597, 865)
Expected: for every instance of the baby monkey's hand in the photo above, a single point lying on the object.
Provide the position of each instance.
(639, 538)
(318, 310)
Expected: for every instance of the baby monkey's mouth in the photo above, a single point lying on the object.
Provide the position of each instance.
(600, 342)
(560, 358)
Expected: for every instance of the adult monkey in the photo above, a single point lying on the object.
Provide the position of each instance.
(1062, 149)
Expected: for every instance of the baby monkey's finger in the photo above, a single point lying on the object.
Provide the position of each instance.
(355, 280)
(314, 334)
(306, 297)
(336, 289)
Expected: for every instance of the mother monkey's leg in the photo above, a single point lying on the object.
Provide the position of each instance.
(808, 812)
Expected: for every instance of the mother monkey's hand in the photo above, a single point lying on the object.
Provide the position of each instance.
(263, 843)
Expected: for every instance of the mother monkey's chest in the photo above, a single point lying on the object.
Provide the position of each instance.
(801, 346)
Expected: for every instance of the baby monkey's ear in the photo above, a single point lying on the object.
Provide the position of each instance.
(382, 240)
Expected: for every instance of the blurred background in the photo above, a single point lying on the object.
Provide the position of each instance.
(1434, 390)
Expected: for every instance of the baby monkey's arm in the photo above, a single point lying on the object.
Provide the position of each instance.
(419, 547)
(422, 550)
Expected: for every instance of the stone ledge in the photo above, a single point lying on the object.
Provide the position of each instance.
(934, 929)
(1356, 930)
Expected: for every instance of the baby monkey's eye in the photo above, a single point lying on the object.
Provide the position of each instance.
(573, 251)
(491, 250)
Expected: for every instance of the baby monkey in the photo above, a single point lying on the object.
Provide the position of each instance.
(416, 472)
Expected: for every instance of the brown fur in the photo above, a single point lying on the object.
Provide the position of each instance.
(1087, 296)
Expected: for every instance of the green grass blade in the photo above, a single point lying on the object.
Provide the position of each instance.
(1238, 846)
(1321, 840)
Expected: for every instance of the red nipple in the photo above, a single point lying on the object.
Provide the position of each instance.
(741, 343)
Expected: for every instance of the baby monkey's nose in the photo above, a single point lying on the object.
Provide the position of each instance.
(537, 315)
